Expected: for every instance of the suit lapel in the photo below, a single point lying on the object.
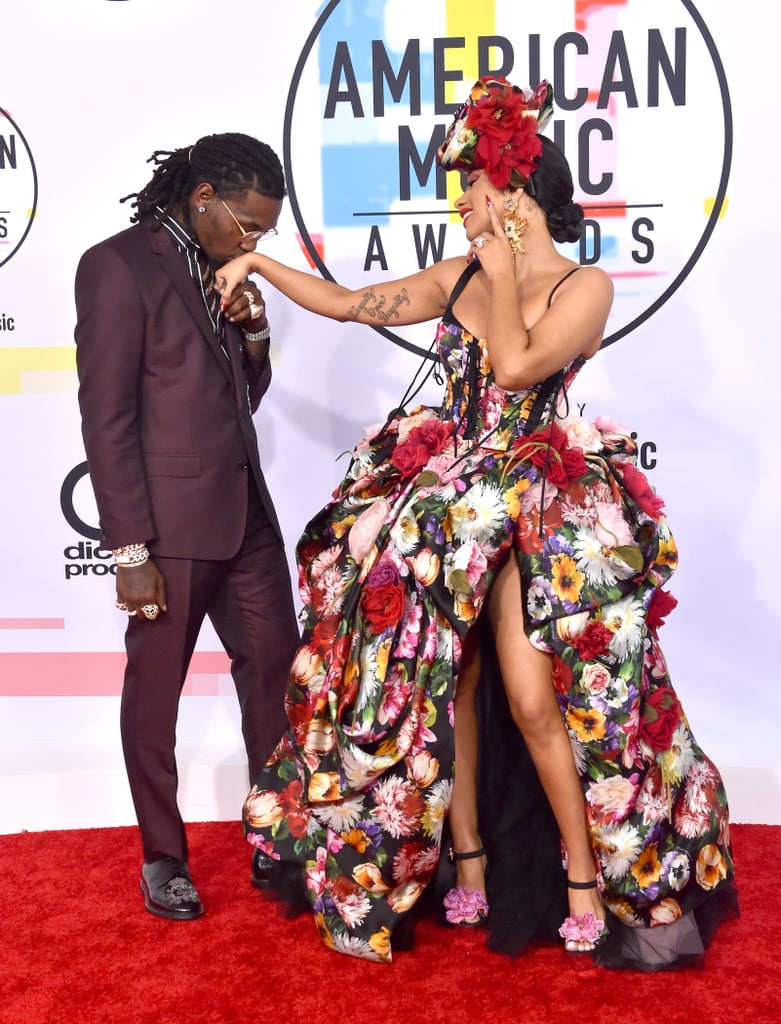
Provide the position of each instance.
(175, 267)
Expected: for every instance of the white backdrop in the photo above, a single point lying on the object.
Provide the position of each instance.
(94, 87)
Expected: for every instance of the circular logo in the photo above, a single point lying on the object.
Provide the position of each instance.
(77, 501)
(18, 187)
(641, 111)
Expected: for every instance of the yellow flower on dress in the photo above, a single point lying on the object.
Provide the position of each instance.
(356, 838)
(380, 943)
(513, 498)
(324, 786)
(375, 668)
(322, 930)
(648, 868)
(711, 867)
(587, 723)
(464, 607)
(381, 657)
(341, 526)
(567, 579)
(386, 752)
(623, 911)
(668, 552)
(352, 670)
(370, 877)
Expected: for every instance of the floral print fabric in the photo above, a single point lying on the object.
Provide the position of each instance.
(395, 571)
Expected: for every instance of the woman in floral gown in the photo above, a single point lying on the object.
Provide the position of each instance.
(495, 502)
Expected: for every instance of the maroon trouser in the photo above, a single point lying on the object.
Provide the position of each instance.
(249, 601)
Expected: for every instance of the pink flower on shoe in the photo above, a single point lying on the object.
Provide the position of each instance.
(465, 906)
(582, 928)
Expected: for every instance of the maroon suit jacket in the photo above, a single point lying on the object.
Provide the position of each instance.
(166, 418)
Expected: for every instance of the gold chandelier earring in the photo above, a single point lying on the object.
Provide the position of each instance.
(514, 227)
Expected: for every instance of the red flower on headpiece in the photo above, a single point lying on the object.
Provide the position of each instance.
(507, 138)
(497, 113)
(520, 152)
(497, 130)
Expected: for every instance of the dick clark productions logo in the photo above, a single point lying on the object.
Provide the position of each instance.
(641, 110)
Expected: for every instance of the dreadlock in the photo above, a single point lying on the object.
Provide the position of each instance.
(231, 163)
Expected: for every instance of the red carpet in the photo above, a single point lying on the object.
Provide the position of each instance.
(78, 947)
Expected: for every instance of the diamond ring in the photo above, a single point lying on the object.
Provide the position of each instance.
(255, 309)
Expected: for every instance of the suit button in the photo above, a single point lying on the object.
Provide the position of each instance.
(242, 464)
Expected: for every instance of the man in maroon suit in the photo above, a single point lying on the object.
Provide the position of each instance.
(168, 383)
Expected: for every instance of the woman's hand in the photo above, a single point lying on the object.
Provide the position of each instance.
(493, 250)
(231, 281)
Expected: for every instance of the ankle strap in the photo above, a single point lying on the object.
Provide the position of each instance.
(452, 855)
(582, 885)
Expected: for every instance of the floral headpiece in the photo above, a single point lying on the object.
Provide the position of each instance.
(497, 131)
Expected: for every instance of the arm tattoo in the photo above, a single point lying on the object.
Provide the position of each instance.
(375, 306)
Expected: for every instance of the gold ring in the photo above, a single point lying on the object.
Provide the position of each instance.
(121, 605)
(151, 611)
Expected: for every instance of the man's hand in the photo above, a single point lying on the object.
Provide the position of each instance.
(238, 294)
(140, 588)
(246, 306)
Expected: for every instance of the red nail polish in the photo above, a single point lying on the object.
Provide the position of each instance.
(489, 202)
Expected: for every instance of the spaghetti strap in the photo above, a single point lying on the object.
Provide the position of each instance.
(559, 283)
(469, 271)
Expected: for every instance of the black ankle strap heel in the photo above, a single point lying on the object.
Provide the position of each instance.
(453, 856)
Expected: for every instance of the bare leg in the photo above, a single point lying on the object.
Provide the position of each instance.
(462, 815)
(526, 672)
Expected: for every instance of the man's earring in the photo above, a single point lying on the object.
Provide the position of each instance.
(201, 209)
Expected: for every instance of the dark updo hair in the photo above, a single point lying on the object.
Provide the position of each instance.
(232, 163)
(550, 186)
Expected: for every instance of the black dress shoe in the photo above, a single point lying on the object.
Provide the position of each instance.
(261, 863)
(169, 891)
